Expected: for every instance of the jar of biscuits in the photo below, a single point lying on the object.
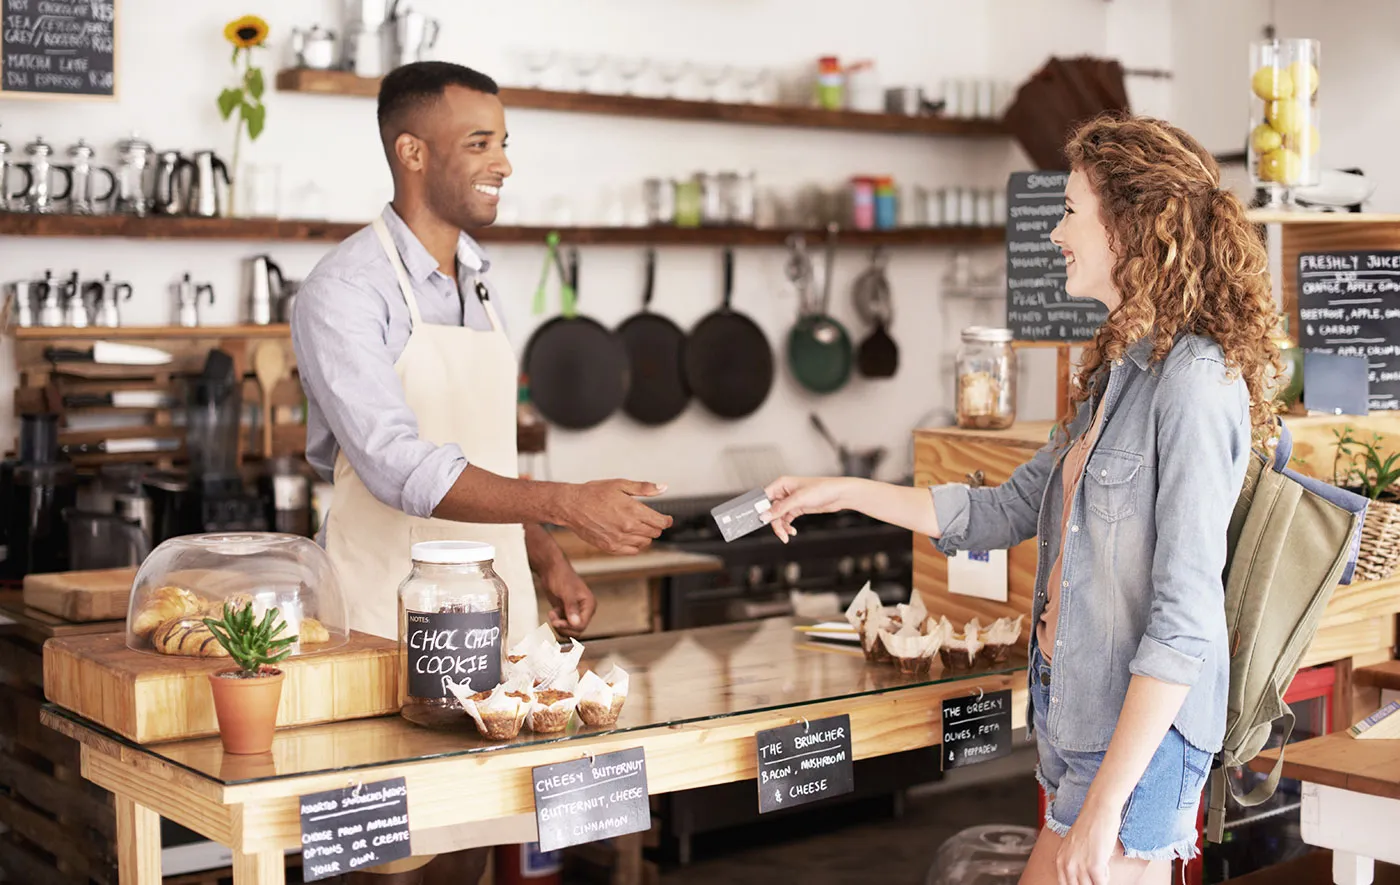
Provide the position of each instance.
(452, 620)
(986, 387)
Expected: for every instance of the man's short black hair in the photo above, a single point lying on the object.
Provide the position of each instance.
(411, 86)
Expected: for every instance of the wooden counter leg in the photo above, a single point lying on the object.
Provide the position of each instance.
(265, 868)
(138, 843)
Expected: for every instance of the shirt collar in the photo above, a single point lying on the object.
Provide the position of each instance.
(1140, 351)
(419, 263)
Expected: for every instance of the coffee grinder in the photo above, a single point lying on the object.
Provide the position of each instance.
(34, 490)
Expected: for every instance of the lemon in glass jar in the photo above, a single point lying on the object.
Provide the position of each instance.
(1304, 79)
(1271, 83)
(1265, 138)
(1282, 165)
(1287, 116)
(1305, 141)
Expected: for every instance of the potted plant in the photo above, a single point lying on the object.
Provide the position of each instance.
(246, 697)
(1359, 466)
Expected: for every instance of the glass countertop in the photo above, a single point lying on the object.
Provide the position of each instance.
(676, 677)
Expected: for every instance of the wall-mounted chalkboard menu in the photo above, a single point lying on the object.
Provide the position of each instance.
(1349, 304)
(58, 47)
(1037, 307)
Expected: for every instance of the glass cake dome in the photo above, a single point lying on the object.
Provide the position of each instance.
(191, 577)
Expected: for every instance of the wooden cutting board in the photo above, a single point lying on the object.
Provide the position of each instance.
(81, 596)
(149, 697)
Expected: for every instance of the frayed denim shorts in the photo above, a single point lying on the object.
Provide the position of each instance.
(1159, 818)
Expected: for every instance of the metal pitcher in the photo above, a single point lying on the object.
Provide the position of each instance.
(414, 35)
(263, 293)
(82, 196)
(107, 298)
(23, 298)
(10, 200)
(76, 310)
(133, 198)
(39, 196)
(205, 198)
(187, 300)
(50, 301)
(171, 189)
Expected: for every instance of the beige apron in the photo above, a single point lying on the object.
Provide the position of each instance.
(461, 386)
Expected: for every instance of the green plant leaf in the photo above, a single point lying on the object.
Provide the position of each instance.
(254, 81)
(229, 100)
(256, 115)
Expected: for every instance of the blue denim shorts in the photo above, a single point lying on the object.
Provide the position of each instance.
(1159, 818)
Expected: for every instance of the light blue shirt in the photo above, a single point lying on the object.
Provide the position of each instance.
(350, 325)
(1142, 589)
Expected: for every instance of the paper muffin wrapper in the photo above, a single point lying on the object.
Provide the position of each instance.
(500, 715)
(865, 608)
(551, 718)
(1003, 631)
(600, 700)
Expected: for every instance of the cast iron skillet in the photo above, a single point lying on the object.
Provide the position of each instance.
(577, 368)
(656, 352)
(728, 361)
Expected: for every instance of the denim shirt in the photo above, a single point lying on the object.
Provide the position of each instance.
(1142, 588)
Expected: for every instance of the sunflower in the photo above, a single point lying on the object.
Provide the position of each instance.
(246, 32)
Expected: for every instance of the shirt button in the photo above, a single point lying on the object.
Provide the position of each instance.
(1118, 362)
(1074, 528)
(1064, 583)
(1103, 473)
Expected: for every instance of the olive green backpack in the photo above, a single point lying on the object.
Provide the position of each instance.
(1292, 539)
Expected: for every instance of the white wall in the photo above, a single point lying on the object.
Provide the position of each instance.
(174, 61)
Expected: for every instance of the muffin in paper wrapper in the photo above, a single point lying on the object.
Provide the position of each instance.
(867, 615)
(600, 700)
(911, 650)
(500, 712)
(913, 614)
(1000, 637)
(959, 650)
(539, 639)
(551, 711)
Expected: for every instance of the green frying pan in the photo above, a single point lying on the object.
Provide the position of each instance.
(819, 349)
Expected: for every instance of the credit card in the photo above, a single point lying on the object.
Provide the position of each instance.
(739, 516)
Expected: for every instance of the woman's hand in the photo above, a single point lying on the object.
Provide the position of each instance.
(794, 496)
(1090, 843)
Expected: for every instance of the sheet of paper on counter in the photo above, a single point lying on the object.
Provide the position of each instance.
(980, 573)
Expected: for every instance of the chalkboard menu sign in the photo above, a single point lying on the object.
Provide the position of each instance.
(1037, 307)
(58, 47)
(1349, 304)
(976, 728)
(803, 763)
(353, 828)
(586, 800)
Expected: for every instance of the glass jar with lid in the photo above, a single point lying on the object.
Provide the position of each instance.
(452, 619)
(986, 389)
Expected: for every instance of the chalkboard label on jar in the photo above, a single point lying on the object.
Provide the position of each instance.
(464, 647)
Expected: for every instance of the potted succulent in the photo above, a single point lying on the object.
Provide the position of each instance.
(1359, 466)
(246, 697)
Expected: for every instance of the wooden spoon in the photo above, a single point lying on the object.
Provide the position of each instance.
(270, 366)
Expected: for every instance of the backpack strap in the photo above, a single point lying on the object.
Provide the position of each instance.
(1284, 451)
(1220, 784)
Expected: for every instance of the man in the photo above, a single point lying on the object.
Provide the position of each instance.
(411, 387)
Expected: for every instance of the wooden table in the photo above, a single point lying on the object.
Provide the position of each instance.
(696, 699)
(1351, 800)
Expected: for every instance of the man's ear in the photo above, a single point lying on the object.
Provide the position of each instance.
(412, 152)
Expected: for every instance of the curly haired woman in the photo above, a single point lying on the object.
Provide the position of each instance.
(1129, 665)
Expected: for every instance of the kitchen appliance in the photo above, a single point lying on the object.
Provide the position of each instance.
(104, 540)
(49, 299)
(35, 488)
(132, 195)
(315, 49)
(8, 201)
(414, 35)
(206, 198)
(187, 301)
(286, 493)
(367, 33)
(82, 196)
(107, 300)
(263, 293)
(40, 195)
(76, 310)
(170, 191)
(22, 297)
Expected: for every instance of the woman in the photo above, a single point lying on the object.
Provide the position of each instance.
(1129, 661)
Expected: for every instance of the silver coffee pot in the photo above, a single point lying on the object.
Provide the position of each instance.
(22, 299)
(40, 196)
(50, 300)
(205, 197)
(132, 195)
(10, 201)
(171, 189)
(414, 35)
(263, 293)
(77, 312)
(187, 300)
(82, 199)
(315, 49)
(107, 298)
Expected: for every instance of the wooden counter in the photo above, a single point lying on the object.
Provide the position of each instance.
(697, 698)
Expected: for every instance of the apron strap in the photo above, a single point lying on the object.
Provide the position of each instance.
(405, 285)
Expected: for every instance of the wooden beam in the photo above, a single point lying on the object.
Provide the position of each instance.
(138, 843)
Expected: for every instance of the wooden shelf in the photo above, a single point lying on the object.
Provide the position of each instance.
(94, 333)
(169, 228)
(346, 83)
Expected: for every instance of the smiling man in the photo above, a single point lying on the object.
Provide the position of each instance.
(411, 388)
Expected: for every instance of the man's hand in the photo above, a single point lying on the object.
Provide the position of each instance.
(571, 602)
(607, 515)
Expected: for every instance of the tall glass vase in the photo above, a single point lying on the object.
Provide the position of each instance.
(1284, 124)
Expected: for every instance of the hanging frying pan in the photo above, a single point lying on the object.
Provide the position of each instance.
(656, 353)
(577, 368)
(819, 348)
(728, 361)
(878, 355)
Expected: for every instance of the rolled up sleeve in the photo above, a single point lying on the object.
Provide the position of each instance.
(339, 333)
(1203, 438)
(997, 517)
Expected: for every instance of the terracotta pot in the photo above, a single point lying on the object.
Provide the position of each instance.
(247, 709)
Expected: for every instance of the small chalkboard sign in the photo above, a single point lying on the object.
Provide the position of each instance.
(1037, 306)
(353, 828)
(591, 799)
(976, 728)
(464, 647)
(803, 763)
(1349, 304)
(58, 47)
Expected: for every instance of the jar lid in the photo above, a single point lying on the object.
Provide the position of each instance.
(988, 334)
(453, 552)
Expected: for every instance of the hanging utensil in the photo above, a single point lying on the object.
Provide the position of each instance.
(269, 367)
(819, 349)
(728, 361)
(656, 352)
(878, 354)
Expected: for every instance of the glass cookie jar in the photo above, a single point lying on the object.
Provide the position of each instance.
(986, 387)
(452, 620)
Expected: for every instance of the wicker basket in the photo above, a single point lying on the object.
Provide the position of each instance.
(1380, 542)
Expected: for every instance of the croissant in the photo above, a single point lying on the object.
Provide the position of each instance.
(162, 605)
(190, 637)
(214, 608)
(312, 632)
